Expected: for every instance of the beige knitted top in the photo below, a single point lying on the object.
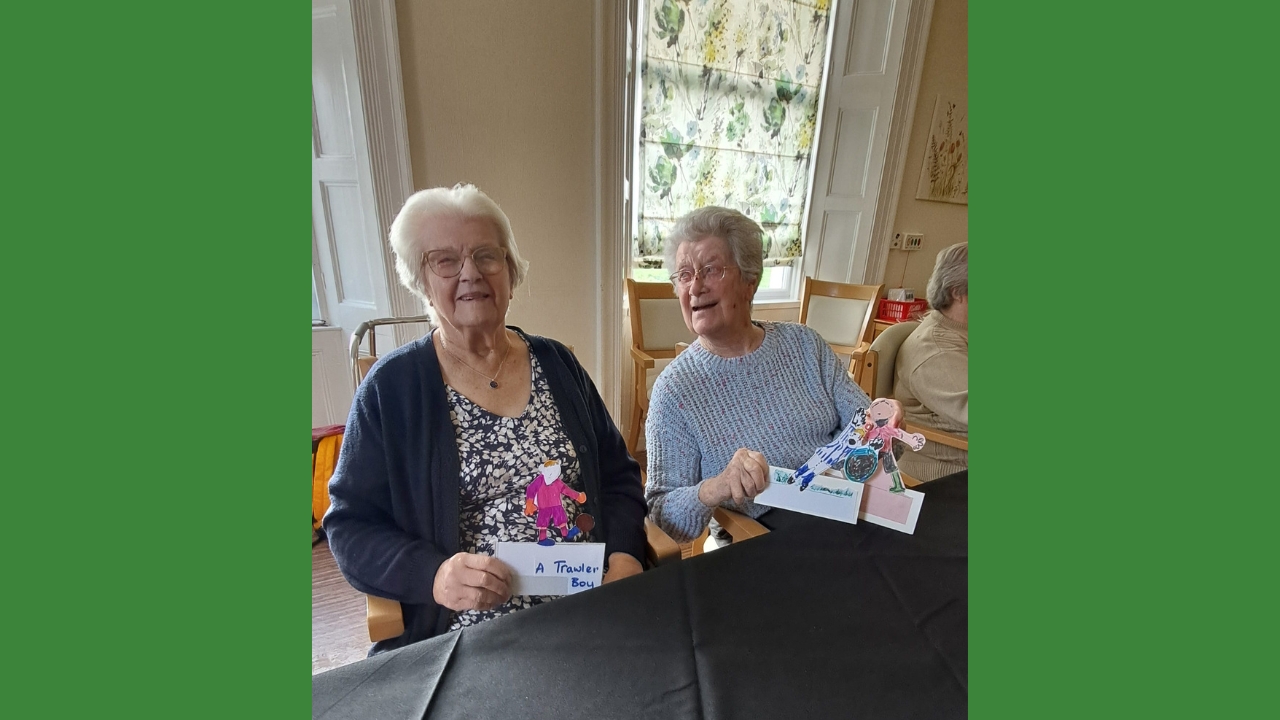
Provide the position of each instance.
(931, 380)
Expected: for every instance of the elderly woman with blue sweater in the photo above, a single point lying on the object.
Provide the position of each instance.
(447, 433)
(745, 395)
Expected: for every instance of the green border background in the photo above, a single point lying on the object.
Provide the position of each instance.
(155, 276)
(156, 281)
(1119, 524)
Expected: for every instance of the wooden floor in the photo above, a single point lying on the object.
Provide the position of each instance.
(338, 633)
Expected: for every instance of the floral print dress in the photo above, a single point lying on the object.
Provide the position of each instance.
(499, 457)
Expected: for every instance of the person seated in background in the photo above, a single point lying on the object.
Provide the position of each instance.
(448, 432)
(931, 377)
(745, 395)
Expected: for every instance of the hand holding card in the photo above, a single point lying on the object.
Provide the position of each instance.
(472, 582)
(746, 476)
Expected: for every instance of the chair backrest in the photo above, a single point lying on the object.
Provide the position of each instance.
(840, 312)
(885, 350)
(656, 320)
(360, 364)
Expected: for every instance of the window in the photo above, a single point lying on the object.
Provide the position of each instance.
(729, 99)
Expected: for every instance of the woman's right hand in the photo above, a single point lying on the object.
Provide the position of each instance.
(746, 476)
(472, 582)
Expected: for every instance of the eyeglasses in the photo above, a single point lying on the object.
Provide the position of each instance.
(489, 260)
(709, 274)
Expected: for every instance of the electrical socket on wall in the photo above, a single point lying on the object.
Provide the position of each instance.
(906, 241)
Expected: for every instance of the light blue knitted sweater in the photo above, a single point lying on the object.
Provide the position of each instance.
(785, 399)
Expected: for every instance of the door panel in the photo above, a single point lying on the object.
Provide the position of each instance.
(861, 91)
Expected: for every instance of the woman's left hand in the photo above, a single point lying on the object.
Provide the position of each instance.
(622, 565)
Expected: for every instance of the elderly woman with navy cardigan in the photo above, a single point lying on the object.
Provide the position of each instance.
(745, 395)
(447, 432)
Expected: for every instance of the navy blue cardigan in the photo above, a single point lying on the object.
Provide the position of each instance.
(394, 513)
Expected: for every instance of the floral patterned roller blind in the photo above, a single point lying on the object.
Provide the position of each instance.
(729, 113)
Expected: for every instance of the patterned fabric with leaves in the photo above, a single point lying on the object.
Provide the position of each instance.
(729, 112)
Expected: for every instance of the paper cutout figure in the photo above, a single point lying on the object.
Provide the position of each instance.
(868, 432)
(867, 486)
(880, 435)
(833, 452)
(543, 495)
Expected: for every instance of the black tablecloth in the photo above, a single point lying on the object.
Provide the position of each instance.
(818, 619)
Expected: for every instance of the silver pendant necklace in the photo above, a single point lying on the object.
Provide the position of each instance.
(493, 381)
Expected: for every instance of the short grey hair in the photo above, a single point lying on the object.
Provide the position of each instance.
(408, 231)
(741, 233)
(950, 277)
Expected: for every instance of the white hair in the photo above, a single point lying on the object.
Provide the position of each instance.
(742, 234)
(408, 231)
(950, 278)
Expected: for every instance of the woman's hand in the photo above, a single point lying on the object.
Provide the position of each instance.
(746, 476)
(622, 565)
(472, 582)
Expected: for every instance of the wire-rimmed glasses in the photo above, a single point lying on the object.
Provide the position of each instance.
(489, 260)
(708, 273)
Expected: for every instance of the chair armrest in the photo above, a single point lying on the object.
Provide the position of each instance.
(938, 436)
(384, 618)
(739, 526)
(859, 360)
(643, 358)
(659, 549)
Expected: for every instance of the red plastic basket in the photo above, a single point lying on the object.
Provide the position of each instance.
(897, 310)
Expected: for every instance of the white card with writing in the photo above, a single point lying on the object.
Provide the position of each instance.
(825, 496)
(564, 568)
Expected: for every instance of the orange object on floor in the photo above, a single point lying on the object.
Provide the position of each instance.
(323, 462)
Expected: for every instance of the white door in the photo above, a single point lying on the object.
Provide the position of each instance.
(349, 246)
(861, 87)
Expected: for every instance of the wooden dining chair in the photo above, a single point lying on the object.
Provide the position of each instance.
(658, 334)
(384, 617)
(877, 373)
(842, 314)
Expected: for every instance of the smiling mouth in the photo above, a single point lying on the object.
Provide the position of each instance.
(704, 307)
(473, 296)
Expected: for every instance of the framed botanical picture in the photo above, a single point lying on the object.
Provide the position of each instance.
(945, 175)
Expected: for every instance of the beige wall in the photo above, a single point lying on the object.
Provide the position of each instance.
(946, 71)
(499, 93)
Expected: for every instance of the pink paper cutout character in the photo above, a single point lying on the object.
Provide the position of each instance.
(880, 435)
(543, 495)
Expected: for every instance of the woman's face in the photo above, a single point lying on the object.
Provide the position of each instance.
(713, 308)
(471, 300)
